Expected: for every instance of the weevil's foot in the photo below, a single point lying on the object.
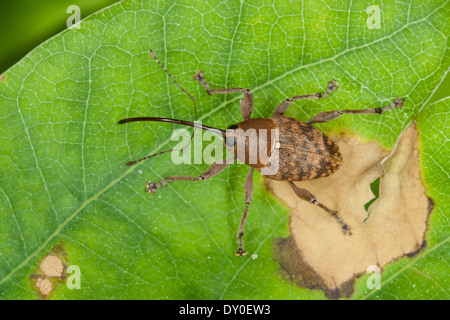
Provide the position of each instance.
(398, 103)
(241, 252)
(332, 86)
(347, 229)
(152, 187)
(199, 76)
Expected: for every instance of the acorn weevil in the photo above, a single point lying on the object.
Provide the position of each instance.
(303, 152)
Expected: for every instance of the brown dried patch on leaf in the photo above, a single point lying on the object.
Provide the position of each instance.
(44, 285)
(51, 267)
(317, 254)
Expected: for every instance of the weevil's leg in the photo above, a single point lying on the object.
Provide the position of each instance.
(282, 107)
(214, 169)
(306, 195)
(331, 115)
(246, 102)
(248, 187)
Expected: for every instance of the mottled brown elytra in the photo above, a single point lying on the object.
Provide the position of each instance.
(300, 151)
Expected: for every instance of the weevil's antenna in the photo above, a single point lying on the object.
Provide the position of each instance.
(175, 81)
(170, 120)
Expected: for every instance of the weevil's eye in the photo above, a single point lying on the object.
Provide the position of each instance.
(230, 141)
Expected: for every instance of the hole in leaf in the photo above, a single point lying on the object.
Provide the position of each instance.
(375, 188)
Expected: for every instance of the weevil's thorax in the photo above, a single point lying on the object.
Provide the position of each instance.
(252, 141)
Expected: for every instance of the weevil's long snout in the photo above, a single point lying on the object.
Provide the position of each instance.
(177, 121)
(169, 120)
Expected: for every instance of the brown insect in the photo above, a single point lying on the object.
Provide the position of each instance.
(296, 149)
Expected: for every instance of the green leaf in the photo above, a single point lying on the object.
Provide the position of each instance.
(63, 183)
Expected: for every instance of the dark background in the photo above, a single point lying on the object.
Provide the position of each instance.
(24, 24)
